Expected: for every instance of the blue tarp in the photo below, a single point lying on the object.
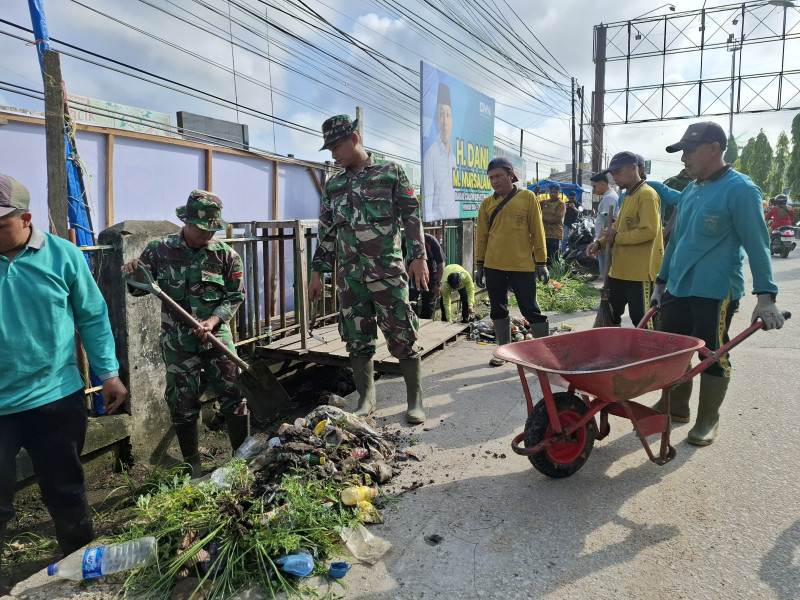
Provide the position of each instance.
(566, 188)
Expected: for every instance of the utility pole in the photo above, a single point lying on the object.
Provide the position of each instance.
(574, 165)
(54, 144)
(598, 105)
(580, 142)
(521, 133)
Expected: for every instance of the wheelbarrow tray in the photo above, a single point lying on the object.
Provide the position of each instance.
(613, 363)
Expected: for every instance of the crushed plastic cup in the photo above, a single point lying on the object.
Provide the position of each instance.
(337, 570)
(274, 442)
(250, 447)
(297, 564)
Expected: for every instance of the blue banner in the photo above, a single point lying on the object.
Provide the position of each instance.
(457, 140)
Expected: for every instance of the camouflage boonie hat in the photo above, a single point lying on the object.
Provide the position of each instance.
(336, 128)
(203, 209)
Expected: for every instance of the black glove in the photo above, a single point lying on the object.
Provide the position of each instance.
(479, 276)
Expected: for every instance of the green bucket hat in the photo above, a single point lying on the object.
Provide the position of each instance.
(336, 128)
(203, 209)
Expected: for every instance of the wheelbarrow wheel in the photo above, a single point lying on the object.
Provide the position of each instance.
(565, 457)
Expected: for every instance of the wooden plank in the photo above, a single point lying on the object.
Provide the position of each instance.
(109, 180)
(209, 182)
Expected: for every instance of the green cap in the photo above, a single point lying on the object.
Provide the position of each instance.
(203, 209)
(336, 128)
(13, 195)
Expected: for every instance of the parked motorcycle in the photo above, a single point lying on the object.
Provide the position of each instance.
(580, 236)
(781, 240)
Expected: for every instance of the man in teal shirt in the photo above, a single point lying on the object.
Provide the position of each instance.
(46, 293)
(701, 279)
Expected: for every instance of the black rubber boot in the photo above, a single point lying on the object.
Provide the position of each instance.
(364, 378)
(502, 333)
(73, 526)
(187, 435)
(411, 368)
(3, 529)
(712, 394)
(238, 427)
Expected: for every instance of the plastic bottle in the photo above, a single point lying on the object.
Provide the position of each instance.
(250, 447)
(104, 560)
(314, 459)
(337, 401)
(350, 496)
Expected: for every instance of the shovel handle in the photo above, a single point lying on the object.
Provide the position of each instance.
(152, 287)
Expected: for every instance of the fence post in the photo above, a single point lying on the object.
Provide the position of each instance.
(301, 281)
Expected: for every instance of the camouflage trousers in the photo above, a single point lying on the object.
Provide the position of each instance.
(365, 306)
(191, 373)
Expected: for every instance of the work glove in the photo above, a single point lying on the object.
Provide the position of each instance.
(658, 291)
(479, 276)
(768, 312)
(542, 274)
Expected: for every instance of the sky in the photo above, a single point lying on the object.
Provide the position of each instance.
(286, 66)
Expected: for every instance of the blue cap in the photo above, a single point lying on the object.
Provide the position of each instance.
(554, 186)
(705, 132)
(620, 159)
(52, 570)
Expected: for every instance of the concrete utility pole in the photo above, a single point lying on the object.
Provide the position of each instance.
(580, 142)
(574, 165)
(360, 128)
(54, 144)
(599, 97)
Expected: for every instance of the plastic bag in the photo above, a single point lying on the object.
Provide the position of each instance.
(296, 564)
(363, 545)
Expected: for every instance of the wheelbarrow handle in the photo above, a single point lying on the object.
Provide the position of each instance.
(152, 287)
(710, 356)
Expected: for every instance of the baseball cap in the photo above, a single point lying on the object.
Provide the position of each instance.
(554, 186)
(13, 195)
(705, 132)
(620, 159)
(502, 163)
(640, 160)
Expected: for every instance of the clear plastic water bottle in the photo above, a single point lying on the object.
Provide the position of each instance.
(104, 560)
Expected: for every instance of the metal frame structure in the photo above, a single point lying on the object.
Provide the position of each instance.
(696, 41)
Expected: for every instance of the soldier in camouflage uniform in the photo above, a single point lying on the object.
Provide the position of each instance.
(366, 208)
(204, 276)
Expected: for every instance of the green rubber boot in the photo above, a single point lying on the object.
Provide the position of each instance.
(502, 333)
(238, 427)
(679, 402)
(712, 393)
(364, 378)
(411, 368)
(188, 441)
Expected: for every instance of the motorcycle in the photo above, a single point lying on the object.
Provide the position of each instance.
(580, 236)
(781, 240)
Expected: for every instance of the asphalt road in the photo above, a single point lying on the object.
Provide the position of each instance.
(719, 522)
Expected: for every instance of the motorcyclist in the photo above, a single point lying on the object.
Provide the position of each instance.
(780, 214)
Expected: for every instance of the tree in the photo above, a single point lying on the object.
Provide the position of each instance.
(777, 181)
(793, 170)
(757, 159)
(731, 152)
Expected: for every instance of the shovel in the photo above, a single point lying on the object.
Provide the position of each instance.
(313, 323)
(262, 389)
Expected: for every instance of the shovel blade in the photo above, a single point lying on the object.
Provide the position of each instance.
(265, 394)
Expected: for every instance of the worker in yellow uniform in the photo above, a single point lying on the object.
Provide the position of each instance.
(457, 279)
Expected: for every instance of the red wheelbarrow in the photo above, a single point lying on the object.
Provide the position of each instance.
(602, 370)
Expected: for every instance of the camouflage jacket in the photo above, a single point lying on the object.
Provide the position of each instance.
(361, 220)
(205, 281)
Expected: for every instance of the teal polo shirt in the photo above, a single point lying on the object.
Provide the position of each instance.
(46, 293)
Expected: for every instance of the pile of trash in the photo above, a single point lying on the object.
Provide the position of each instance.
(285, 506)
(483, 331)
